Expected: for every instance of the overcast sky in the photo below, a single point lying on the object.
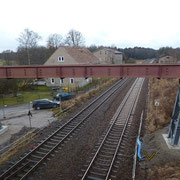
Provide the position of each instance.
(124, 23)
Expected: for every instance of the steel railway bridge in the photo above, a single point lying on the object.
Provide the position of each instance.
(130, 70)
(63, 71)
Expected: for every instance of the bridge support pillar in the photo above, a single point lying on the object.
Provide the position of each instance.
(174, 128)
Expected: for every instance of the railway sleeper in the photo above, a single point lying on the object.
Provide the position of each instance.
(117, 130)
(104, 156)
(42, 153)
(32, 161)
(101, 164)
(107, 152)
(94, 178)
(104, 160)
(20, 175)
(62, 134)
(115, 134)
(55, 140)
(58, 136)
(112, 177)
(109, 146)
(97, 174)
(123, 143)
(72, 125)
(51, 143)
(36, 157)
(99, 169)
(44, 149)
(118, 127)
(111, 141)
(114, 171)
(67, 129)
(114, 138)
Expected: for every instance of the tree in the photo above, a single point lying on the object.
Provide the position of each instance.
(93, 48)
(54, 41)
(74, 38)
(28, 40)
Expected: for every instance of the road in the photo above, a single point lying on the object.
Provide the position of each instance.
(12, 110)
(17, 118)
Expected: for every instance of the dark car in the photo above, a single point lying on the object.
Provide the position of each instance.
(45, 104)
(63, 96)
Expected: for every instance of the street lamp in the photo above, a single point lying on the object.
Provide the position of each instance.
(3, 110)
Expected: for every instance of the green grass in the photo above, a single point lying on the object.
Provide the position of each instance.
(40, 92)
(25, 97)
(41, 89)
(35, 92)
(1, 62)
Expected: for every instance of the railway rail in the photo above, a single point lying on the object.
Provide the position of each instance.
(106, 158)
(42, 152)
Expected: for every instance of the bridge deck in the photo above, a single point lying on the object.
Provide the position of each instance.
(125, 70)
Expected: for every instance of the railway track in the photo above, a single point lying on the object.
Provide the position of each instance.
(106, 157)
(42, 152)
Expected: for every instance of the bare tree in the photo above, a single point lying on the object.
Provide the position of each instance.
(74, 38)
(28, 40)
(54, 41)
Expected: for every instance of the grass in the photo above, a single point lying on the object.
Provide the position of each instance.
(40, 92)
(1, 62)
(41, 88)
(25, 97)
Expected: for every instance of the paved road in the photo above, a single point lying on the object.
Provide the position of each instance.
(16, 119)
(12, 110)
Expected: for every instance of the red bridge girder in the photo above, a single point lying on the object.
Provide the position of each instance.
(63, 71)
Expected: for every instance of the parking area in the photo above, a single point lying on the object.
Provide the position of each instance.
(17, 118)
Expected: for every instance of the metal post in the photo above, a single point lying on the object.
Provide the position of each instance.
(174, 128)
(60, 104)
(30, 114)
(30, 121)
(156, 113)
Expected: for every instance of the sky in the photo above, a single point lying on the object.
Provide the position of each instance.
(121, 23)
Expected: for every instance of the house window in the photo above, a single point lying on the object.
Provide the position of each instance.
(71, 80)
(52, 81)
(61, 81)
(105, 52)
(61, 59)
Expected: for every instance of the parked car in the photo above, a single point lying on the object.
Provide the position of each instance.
(45, 104)
(55, 88)
(63, 96)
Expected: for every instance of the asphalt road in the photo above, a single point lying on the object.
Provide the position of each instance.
(8, 111)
